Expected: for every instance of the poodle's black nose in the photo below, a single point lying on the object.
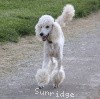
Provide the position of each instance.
(41, 34)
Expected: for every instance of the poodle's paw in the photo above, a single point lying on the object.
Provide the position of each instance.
(42, 78)
(57, 77)
(40, 87)
(55, 85)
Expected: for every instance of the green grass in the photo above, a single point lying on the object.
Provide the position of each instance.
(18, 17)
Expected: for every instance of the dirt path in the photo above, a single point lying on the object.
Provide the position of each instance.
(19, 62)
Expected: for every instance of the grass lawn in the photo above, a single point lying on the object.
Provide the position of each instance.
(18, 17)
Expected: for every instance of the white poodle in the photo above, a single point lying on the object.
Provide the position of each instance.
(49, 30)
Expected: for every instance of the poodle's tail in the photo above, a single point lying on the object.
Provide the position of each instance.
(67, 14)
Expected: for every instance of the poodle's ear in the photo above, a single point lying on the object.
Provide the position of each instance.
(37, 31)
(56, 32)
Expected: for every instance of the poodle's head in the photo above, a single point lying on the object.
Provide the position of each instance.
(44, 27)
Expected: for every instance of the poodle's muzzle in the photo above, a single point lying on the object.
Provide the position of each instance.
(44, 37)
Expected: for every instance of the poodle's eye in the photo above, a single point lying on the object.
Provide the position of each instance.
(47, 26)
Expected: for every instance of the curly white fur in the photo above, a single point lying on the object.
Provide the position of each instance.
(57, 77)
(42, 77)
(49, 30)
(67, 14)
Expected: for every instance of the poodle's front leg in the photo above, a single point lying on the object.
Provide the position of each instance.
(58, 75)
(46, 56)
(42, 75)
(46, 61)
(59, 60)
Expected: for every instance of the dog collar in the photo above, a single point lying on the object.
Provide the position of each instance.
(49, 41)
